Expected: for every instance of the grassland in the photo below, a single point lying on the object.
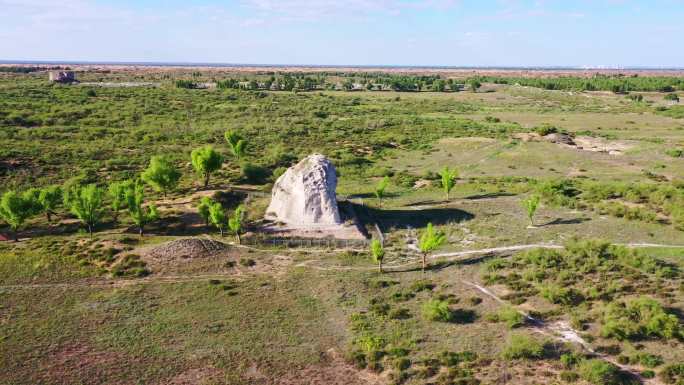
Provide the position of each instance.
(77, 310)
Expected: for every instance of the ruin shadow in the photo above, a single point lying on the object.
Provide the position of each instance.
(398, 218)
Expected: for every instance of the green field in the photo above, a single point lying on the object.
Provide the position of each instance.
(602, 259)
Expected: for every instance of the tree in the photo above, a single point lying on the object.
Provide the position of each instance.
(49, 198)
(206, 160)
(235, 222)
(161, 174)
(474, 85)
(15, 209)
(448, 179)
(531, 204)
(380, 188)
(203, 209)
(117, 192)
(430, 240)
(85, 202)
(237, 144)
(217, 216)
(141, 214)
(31, 198)
(377, 253)
(439, 86)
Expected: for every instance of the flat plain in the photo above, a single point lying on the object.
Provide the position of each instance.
(590, 292)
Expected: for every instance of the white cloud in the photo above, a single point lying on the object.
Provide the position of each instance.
(320, 10)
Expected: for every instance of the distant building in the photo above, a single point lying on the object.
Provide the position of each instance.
(62, 76)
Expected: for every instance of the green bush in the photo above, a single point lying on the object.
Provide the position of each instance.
(255, 174)
(510, 316)
(436, 310)
(560, 192)
(565, 296)
(546, 129)
(599, 372)
(569, 360)
(638, 319)
(648, 374)
(649, 360)
(520, 346)
(675, 152)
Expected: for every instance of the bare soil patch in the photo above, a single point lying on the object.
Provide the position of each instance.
(335, 371)
(80, 363)
(584, 143)
(196, 376)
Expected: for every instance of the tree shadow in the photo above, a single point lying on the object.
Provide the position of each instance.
(371, 195)
(440, 265)
(560, 221)
(490, 195)
(462, 316)
(427, 203)
(398, 218)
(189, 224)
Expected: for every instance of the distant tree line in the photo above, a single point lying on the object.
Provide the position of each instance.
(614, 83)
(357, 82)
(28, 69)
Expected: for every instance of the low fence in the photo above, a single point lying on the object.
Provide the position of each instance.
(328, 243)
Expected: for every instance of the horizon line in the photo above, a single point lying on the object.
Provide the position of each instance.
(372, 66)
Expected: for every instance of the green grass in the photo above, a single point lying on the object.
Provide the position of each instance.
(156, 331)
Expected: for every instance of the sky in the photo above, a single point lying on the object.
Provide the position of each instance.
(611, 33)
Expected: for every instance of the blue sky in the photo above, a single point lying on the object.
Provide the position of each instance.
(358, 32)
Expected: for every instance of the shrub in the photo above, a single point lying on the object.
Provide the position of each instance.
(399, 314)
(422, 285)
(380, 308)
(562, 192)
(565, 296)
(510, 316)
(675, 152)
(401, 363)
(436, 310)
(569, 360)
(357, 358)
(520, 346)
(671, 97)
(255, 174)
(401, 296)
(673, 374)
(451, 359)
(599, 372)
(648, 374)
(649, 360)
(638, 319)
(568, 376)
(546, 129)
(247, 262)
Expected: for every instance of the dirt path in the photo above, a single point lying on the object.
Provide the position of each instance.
(310, 264)
(562, 331)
